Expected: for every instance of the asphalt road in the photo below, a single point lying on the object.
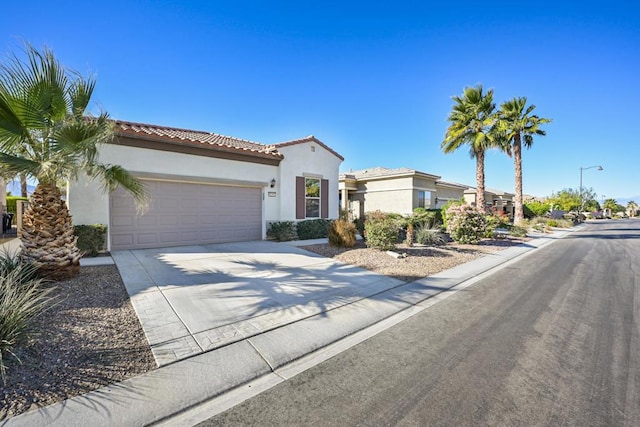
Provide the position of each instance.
(553, 339)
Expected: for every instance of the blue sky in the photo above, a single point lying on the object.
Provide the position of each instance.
(372, 80)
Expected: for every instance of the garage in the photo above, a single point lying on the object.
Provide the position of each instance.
(184, 213)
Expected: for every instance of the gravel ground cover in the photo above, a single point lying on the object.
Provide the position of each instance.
(416, 261)
(92, 337)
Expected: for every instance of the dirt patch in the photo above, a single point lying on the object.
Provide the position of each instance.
(90, 338)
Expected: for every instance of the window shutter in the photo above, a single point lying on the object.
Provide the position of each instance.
(300, 198)
(324, 198)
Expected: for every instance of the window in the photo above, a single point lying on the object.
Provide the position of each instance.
(424, 199)
(312, 197)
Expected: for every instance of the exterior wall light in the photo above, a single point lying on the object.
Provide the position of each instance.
(273, 182)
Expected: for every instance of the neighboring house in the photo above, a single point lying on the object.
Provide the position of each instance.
(399, 190)
(448, 191)
(497, 200)
(206, 187)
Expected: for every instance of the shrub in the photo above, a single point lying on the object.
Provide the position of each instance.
(12, 202)
(92, 239)
(426, 218)
(359, 223)
(342, 234)
(22, 299)
(445, 208)
(382, 230)
(465, 224)
(517, 231)
(313, 229)
(534, 208)
(493, 222)
(282, 231)
(430, 236)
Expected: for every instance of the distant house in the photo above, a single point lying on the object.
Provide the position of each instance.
(496, 200)
(206, 187)
(399, 190)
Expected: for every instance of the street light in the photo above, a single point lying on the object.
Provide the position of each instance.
(581, 199)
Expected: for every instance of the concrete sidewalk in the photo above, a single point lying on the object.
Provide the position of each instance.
(174, 393)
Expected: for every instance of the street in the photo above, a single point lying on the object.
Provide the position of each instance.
(553, 339)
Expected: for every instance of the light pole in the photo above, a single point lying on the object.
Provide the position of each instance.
(581, 199)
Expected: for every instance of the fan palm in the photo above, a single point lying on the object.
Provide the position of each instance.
(45, 134)
(517, 126)
(472, 124)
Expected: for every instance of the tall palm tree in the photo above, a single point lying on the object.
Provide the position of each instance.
(45, 134)
(472, 124)
(517, 126)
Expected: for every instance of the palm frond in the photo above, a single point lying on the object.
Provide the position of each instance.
(113, 176)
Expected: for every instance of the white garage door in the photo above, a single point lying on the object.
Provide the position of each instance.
(186, 214)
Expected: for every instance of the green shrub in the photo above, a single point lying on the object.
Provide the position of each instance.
(22, 299)
(359, 223)
(534, 208)
(382, 230)
(342, 233)
(426, 218)
(92, 239)
(313, 229)
(282, 231)
(12, 202)
(430, 236)
(465, 224)
(517, 231)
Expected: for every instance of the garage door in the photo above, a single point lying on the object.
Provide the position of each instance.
(186, 214)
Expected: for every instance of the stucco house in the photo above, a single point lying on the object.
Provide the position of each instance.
(206, 187)
(399, 190)
(497, 200)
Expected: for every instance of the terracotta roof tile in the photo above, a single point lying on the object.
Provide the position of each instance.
(212, 140)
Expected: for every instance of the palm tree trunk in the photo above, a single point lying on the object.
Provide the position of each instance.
(480, 205)
(47, 235)
(23, 185)
(518, 215)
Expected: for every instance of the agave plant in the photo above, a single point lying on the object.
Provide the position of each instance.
(46, 134)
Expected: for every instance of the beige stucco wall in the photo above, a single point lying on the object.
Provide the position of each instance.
(303, 160)
(445, 194)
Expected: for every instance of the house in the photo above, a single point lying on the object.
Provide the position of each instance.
(399, 190)
(496, 200)
(206, 187)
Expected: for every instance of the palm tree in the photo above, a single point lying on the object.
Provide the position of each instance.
(632, 208)
(517, 126)
(472, 124)
(45, 134)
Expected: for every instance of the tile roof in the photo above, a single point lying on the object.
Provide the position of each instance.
(381, 172)
(309, 138)
(200, 138)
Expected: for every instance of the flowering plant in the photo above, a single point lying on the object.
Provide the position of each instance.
(465, 224)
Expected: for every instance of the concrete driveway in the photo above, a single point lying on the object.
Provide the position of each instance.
(193, 299)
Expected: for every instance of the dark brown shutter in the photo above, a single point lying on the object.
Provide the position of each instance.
(300, 198)
(324, 198)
